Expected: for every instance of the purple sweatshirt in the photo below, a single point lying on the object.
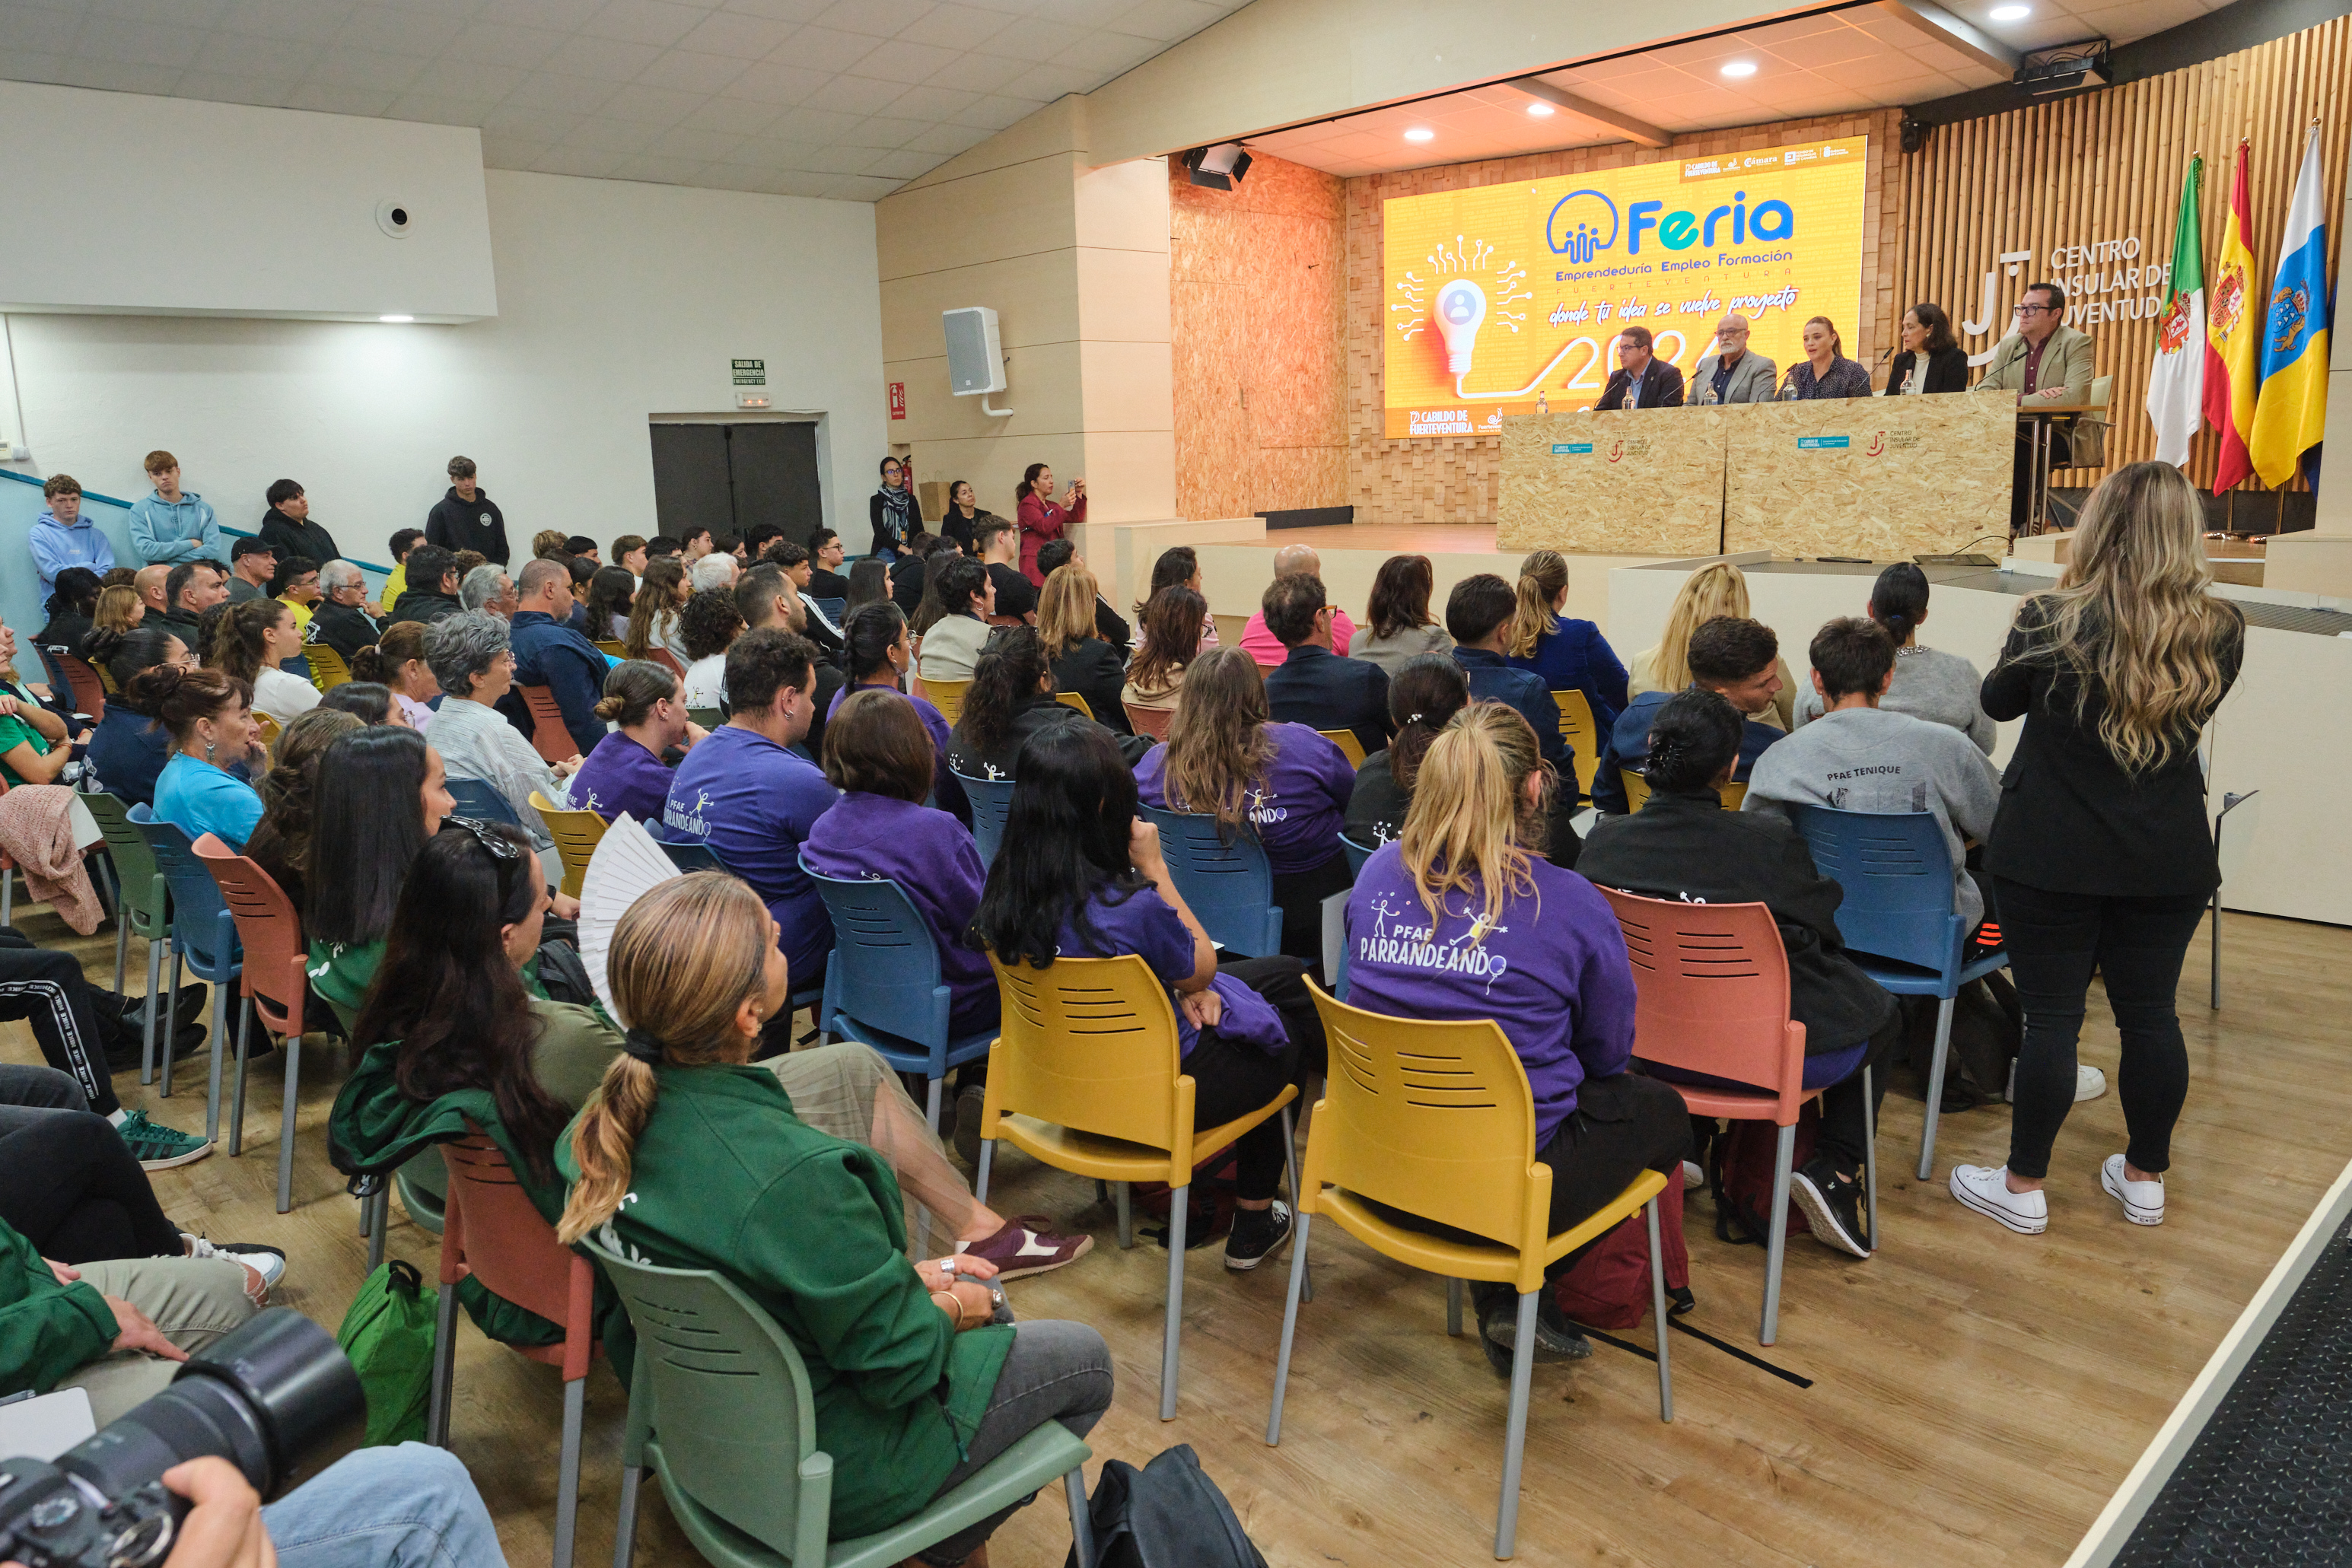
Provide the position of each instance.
(754, 803)
(1149, 925)
(620, 775)
(1553, 972)
(930, 856)
(1295, 807)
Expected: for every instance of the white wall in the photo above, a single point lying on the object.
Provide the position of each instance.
(616, 301)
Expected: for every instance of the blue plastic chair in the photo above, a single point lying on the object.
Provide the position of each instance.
(836, 610)
(992, 803)
(482, 801)
(1356, 855)
(1897, 917)
(1226, 880)
(689, 856)
(203, 940)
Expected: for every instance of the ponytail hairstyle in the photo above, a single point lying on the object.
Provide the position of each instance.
(1216, 742)
(382, 660)
(866, 640)
(685, 959)
(1428, 691)
(632, 689)
(1898, 600)
(1693, 739)
(1176, 567)
(239, 647)
(1028, 484)
(129, 654)
(1401, 595)
(1469, 829)
(1543, 578)
(1004, 678)
(369, 702)
(1837, 344)
(179, 699)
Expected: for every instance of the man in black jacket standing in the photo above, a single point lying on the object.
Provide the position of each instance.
(286, 527)
(465, 518)
(1641, 381)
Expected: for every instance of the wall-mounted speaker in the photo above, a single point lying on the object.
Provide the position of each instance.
(975, 354)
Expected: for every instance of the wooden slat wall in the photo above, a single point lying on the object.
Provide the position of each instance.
(2109, 164)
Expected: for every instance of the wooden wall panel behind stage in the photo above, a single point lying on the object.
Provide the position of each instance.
(1899, 483)
(2108, 166)
(1256, 290)
(1647, 481)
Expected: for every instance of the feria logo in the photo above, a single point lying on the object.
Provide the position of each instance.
(1583, 223)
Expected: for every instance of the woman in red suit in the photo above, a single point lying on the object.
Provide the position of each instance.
(1042, 522)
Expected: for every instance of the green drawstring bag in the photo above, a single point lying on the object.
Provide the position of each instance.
(388, 1335)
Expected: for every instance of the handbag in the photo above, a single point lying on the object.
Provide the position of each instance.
(1168, 1514)
(388, 1335)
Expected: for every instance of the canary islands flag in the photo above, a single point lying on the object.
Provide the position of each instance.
(2292, 413)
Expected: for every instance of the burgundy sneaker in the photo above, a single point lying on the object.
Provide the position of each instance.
(1025, 1247)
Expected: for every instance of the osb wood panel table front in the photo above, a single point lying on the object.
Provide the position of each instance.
(1884, 477)
(1636, 482)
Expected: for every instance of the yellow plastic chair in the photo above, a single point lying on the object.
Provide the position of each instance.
(328, 670)
(948, 697)
(613, 647)
(1069, 699)
(1576, 729)
(1088, 1078)
(266, 726)
(1436, 1120)
(1350, 746)
(576, 836)
(1637, 790)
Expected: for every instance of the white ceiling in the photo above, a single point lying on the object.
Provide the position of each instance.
(806, 98)
(1829, 63)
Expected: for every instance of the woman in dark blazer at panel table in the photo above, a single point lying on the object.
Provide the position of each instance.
(1824, 371)
(1932, 360)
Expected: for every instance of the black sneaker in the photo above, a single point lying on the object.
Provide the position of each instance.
(1256, 1233)
(1832, 1202)
(968, 1102)
(1557, 1339)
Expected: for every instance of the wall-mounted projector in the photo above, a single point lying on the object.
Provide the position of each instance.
(2065, 68)
(1219, 168)
(975, 356)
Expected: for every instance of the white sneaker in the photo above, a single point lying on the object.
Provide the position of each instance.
(1985, 1188)
(1693, 1177)
(2089, 1083)
(2142, 1201)
(264, 1266)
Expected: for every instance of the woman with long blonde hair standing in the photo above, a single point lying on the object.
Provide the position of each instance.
(1718, 589)
(2101, 856)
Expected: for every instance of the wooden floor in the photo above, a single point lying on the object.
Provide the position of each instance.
(1976, 1395)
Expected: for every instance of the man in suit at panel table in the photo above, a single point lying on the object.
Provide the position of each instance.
(2046, 361)
(1734, 373)
(1642, 380)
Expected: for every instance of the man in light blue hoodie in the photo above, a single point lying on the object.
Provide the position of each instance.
(174, 525)
(62, 536)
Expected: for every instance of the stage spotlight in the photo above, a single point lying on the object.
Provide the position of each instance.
(1219, 168)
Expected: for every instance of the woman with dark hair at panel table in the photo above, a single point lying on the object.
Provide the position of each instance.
(1571, 655)
(1082, 662)
(1398, 624)
(1090, 881)
(612, 594)
(894, 510)
(967, 598)
(209, 717)
(1171, 640)
(1462, 918)
(1824, 371)
(397, 661)
(1931, 359)
(1041, 519)
(626, 771)
(2102, 854)
(72, 609)
(1930, 683)
(1681, 844)
(880, 654)
(128, 749)
(1010, 702)
(1282, 783)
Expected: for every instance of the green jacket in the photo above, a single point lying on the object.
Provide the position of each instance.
(47, 1330)
(341, 976)
(726, 1178)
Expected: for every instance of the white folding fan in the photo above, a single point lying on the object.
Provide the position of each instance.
(627, 866)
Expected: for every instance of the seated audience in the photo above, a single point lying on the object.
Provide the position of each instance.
(719, 569)
(432, 592)
(280, 843)
(119, 610)
(1180, 566)
(1478, 614)
(1171, 625)
(915, 1390)
(209, 717)
(487, 587)
(764, 596)
(868, 582)
(1090, 881)
(1571, 656)
(252, 563)
(548, 652)
(1401, 626)
(750, 800)
(1718, 589)
(61, 537)
(473, 661)
(880, 655)
(470, 562)
(1282, 782)
(86, 1035)
(826, 553)
(1683, 845)
(1010, 700)
(397, 661)
(1292, 561)
(548, 544)
(653, 615)
(340, 619)
(1462, 917)
(1739, 661)
(1083, 663)
(288, 528)
(1313, 685)
(369, 702)
(912, 587)
(72, 609)
(1938, 686)
(35, 746)
(625, 772)
(1862, 755)
(1110, 624)
(154, 586)
(190, 589)
(395, 582)
(259, 637)
(793, 561)
(295, 584)
(950, 644)
(580, 547)
(381, 796)
(998, 541)
(1424, 693)
(612, 592)
(127, 749)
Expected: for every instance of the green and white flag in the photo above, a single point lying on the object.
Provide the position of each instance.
(2176, 382)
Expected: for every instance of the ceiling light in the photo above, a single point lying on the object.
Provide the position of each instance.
(1739, 68)
(1540, 109)
(1421, 133)
(395, 318)
(2012, 12)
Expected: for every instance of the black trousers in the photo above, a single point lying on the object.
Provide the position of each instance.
(1230, 1078)
(1300, 895)
(2055, 941)
(69, 1187)
(1844, 1131)
(48, 989)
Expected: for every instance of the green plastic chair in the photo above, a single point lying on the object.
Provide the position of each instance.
(708, 717)
(720, 1410)
(145, 909)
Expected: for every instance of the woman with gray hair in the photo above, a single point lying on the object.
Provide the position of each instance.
(471, 657)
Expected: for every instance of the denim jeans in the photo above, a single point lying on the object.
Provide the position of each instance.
(405, 1507)
(1056, 1371)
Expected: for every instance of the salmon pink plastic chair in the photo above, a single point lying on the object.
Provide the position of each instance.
(273, 983)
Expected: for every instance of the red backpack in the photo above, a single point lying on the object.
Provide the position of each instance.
(1609, 1286)
(1739, 1177)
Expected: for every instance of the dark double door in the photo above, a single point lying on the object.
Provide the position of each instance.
(728, 477)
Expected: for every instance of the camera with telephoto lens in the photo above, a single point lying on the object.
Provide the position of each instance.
(266, 1398)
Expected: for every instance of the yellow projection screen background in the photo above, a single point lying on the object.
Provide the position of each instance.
(1499, 292)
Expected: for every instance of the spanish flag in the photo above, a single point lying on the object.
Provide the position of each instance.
(2293, 413)
(2233, 324)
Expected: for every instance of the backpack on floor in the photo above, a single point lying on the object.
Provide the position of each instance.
(1740, 1165)
(388, 1335)
(1609, 1286)
(1168, 1514)
(1987, 1027)
(1208, 1215)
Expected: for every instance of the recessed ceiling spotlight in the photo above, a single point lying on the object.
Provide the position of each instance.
(1540, 109)
(395, 318)
(1421, 133)
(2012, 12)
(1739, 68)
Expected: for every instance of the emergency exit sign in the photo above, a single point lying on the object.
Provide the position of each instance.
(751, 373)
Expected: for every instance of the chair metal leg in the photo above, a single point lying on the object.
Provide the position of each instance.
(931, 1106)
(1082, 1525)
(624, 1531)
(1179, 1209)
(1289, 1330)
(987, 1158)
(445, 1370)
(1126, 1221)
(1515, 1435)
(1658, 1312)
(170, 1011)
(121, 944)
(147, 1023)
(1454, 1293)
(377, 1213)
(287, 1119)
(7, 898)
(220, 1050)
(1290, 1169)
(1935, 1086)
(567, 1477)
(1783, 1157)
(236, 1093)
(1870, 1156)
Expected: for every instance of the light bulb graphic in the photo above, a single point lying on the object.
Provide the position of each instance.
(1461, 308)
